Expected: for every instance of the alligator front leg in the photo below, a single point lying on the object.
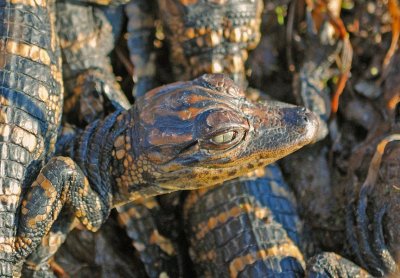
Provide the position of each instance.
(91, 91)
(61, 182)
(40, 263)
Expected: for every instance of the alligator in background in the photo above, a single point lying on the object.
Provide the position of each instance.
(30, 112)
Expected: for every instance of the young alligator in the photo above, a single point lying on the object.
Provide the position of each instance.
(30, 113)
(186, 135)
(204, 37)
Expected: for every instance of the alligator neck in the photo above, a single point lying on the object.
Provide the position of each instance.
(128, 169)
(92, 148)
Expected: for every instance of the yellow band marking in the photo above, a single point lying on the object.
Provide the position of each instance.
(287, 249)
(31, 3)
(223, 217)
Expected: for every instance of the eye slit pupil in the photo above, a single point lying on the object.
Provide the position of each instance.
(218, 139)
(224, 137)
(228, 136)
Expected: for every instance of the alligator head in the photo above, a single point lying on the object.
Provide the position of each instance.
(188, 135)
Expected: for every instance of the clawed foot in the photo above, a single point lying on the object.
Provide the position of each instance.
(370, 215)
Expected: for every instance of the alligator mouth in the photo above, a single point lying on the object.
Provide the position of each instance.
(207, 171)
(209, 175)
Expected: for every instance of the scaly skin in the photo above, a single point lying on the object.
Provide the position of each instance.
(212, 37)
(334, 266)
(141, 32)
(203, 37)
(86, 41)
(103, 2)
(371, 196)
(30, 112)
(246, 228)
(372, 221)
(107, 253)
(372, 224)
(91, 92)
(312, 91)
(317, 196)
(38, 262)
(158, 253)
(183, 136)
(370, 199)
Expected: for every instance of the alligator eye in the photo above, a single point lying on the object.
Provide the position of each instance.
(224, 138)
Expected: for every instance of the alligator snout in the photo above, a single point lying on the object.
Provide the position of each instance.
(300, 125)
(295, 116)
(307, 123)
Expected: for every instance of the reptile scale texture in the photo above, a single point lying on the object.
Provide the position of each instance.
(247, 228)
(157, 146)
(202, 37)
(86, 40)
(91, 92)
(30, 112)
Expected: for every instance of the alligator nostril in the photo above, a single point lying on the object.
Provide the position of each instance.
(305, 119)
